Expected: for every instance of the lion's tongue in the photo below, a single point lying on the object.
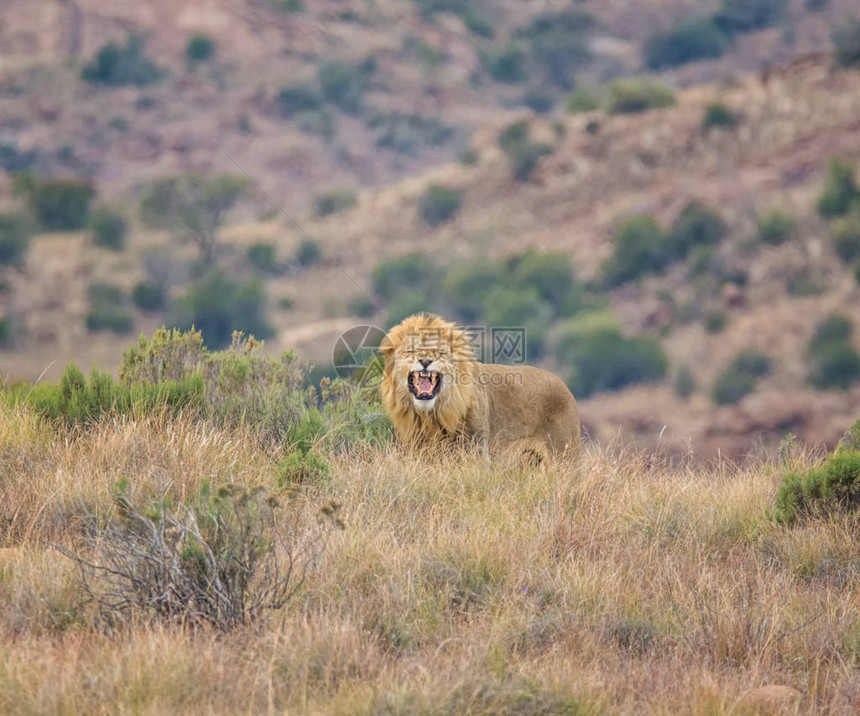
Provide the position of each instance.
(425, 385)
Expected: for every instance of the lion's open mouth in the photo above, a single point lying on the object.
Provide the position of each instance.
(424, 385)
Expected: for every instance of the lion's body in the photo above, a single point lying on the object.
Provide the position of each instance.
(502, 408)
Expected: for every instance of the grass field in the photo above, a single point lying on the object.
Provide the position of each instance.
(632, 585)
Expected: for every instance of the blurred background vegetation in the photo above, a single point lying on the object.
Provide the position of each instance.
(664, 197)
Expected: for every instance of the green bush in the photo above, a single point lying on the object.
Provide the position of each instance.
(551, 274)
(109, 229)
(108, 309)
(834, 365)
(217, 306)
(775, 227)
(834, 327)
(840, 190)
(525, 157)
(737, 16)
(689, 41)
(464, 9)
(467, 288)
(833, 485)
(696, 225)
(638, 95)
(298, 98)
(16, 230)
(559, 44)
(520, 307)
(439, 204)
(13, 160)
(846, 237)
(715, 321)
(344, 84)
(720, 115)
(148, 296)
(334, 201)
(195, 205)
(507, 65)
(582, 99)
(685, 382)
(846, 41)
(539, 100)
(309, 252)
(262, 255)
(409, 133)
(406, 303)
(603, 359)
(59, 204)
(122, 65)
(200, 48)
(739, 378)
(513, 135)
(639, 249)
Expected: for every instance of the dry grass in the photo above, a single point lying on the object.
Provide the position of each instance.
(633, 585)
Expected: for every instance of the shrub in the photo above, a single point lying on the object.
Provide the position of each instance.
(513, 135)
(194, 205)
(13, 160)
(638, 95)
(469, 157)
(16, 230)
(406, 303)
(439, 204)
(414, 270)
(409, 133)
(840, 190)
(200, 48)
(715, 321)
(298, 98)
(148, 296)
(696, 225)
(344, 84)
(464, 9)
(689, 41)
(525, 157)
(834, 485)
(834, 365)
(539, 100)
(846, 237)
(309, 253)
(519, 307)
(109, 229)
(685, 382)
(559, 44)
(581, 99)
(507, 65)
(603, 358)
(361, 306)
(739, 378)
(639, 249)
(334, 201)
(108, 309)
(319, 122)
(122, 65)
(217, 306)
(262, 255)
(720, 115)
(59, 204)
(835, 327)
(846, 41)
(736, 16)
(222, 559)
(551, 274)
(775, 227)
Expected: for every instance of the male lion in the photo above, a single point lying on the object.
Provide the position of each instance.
(434, 390)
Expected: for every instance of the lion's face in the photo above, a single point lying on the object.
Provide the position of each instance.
(428, 365)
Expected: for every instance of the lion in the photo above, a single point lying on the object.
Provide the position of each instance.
(435, 391)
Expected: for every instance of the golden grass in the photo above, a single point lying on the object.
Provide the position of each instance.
(630, 585)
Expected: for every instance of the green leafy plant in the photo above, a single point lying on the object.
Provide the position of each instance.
(834, 485)
(738, 16)
(16, 231)
(58, 204)
(582, 99)
(334, 201)
(559, 44)
(109, 309)
(109, 229)
(840, 190)
(123, 65)
(149, 296)
(344, 84)
(638, 95)
(639, 249)
(775, 226)
(309, 252)
(689, 41)
(262, 255)
(507, 64)
(439, 204)
(740, 377)
(200, 48)
(194, 205)
(845, 233)
(833, 361)
(846, 41)
(719, 115)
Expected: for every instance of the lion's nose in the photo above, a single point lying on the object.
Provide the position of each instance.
(424, 362)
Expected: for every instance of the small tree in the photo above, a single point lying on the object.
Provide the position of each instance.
(439, 204)
(122, 65)
(840, 190)
(194, 205)
(16, 230)
(58, 204)
(109, 229)
(200, 48)
(846, 40)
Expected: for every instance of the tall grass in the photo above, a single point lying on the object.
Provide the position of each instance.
(630, 584)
